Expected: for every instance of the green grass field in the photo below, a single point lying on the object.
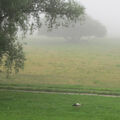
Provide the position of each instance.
(35, 106)
(91, 66)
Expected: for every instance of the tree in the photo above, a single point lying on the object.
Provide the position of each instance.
(74, 33)
(25, 15)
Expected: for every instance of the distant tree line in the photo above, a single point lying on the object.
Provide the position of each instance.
(74, 32)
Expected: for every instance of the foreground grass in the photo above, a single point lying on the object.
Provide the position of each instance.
(29, 106)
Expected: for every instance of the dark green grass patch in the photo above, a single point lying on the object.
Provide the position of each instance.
(31, 106)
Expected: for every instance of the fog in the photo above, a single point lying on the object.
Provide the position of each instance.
(107, 12)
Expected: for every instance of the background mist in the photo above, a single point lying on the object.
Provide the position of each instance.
(107, 12)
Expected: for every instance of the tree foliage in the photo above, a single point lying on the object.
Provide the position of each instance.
(25, 15)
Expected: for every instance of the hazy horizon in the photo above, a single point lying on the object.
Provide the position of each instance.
(107, 12)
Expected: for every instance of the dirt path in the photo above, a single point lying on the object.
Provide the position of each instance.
(68, 93)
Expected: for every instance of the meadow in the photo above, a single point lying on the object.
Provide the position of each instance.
(93, 63)
(54, 65)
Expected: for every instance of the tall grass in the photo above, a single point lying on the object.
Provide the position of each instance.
(93, 63)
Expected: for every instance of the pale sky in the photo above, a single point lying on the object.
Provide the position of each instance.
(107, 12)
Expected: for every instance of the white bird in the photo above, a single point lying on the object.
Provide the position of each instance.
(76, 104)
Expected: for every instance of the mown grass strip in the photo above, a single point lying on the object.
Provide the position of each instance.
(61, 90)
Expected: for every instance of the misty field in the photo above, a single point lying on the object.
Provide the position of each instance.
(31, 106)
(90, 63)
(91, 66)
